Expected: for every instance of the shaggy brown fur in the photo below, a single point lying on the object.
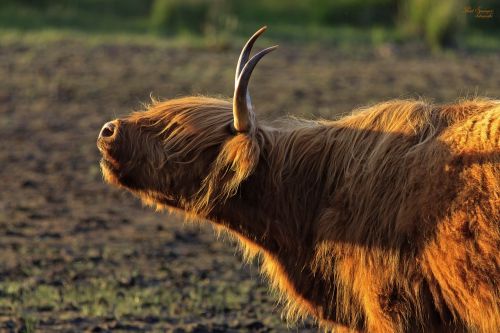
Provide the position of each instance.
(383, 221)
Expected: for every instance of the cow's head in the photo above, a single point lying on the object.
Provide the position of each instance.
(188, 149)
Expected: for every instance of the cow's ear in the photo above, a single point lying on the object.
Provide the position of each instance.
(236, 161)
(243, 115)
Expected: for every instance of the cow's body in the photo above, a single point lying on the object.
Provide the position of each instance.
(384, 221)
(387, 220)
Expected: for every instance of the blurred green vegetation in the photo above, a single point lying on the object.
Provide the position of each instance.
(437, 23)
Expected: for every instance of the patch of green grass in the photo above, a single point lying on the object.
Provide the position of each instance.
(49, 35)
(29, 323)
(9, 295)
(10, 288)
(344, 37)
(42, 297)
(103, 297)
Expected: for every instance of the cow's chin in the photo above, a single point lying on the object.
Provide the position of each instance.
(156, 199)
(109, 173)
(114, 175)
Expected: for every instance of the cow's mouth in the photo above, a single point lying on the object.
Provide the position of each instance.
(110, 166)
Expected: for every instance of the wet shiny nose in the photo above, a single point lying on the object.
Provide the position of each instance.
(108, 130)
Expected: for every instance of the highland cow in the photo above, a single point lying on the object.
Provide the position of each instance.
(387, 220)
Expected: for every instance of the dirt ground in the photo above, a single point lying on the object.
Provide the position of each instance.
(77, 255)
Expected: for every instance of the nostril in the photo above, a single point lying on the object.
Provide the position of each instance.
(108, 130)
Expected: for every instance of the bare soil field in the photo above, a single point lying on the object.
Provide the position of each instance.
(77, 255)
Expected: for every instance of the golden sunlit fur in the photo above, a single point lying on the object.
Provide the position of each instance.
(386, 220)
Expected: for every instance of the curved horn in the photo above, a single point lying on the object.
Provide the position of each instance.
(245, 53)
(242, 104)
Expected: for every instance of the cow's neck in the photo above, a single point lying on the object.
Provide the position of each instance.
(277, 213)
(279, 219)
